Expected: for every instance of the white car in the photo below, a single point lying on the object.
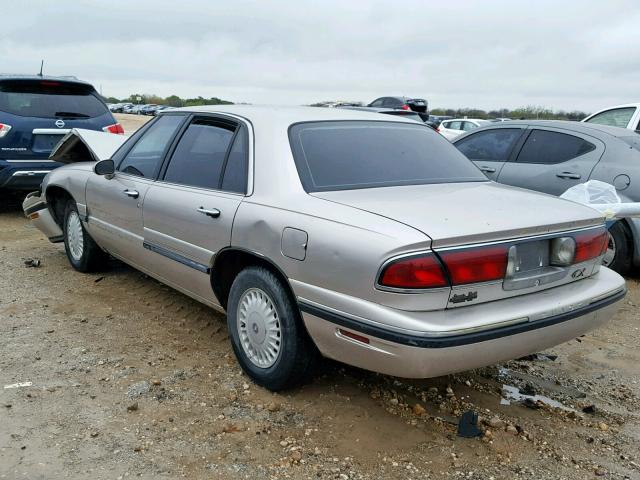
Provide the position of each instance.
(450, 129)
(624, 116)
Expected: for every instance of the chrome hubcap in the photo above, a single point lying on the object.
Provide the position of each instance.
(259, 328)
(610, 253)
(75, 236)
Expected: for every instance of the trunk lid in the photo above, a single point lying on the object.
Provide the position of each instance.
(86, 145)
(464, 213)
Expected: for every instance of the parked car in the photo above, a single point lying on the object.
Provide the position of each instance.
(366, 238)
(149, 109)
(35, 113)
(162, 108)
(551, 155)
(438, 119)
(453, 128)
(120, 107)
(419, 105)
(136, 109)
(624, 116)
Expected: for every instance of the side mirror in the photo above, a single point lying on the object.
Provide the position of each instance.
(105, 167)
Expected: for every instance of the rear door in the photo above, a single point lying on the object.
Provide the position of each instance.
(490, 149)
(623, 117)
(189, 212)
(552, 160)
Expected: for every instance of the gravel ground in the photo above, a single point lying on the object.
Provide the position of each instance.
(114, 375)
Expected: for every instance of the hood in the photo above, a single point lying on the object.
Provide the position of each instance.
(80, 145)
(463, 213)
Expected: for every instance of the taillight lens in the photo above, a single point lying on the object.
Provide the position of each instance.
(482, 264)
(4, 129)
(424, 271)
(115, 128)
(405, 107)
(591, 245)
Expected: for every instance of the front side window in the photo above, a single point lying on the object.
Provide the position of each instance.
(199, 157)
(467, 126)
(340, 155)
(492, 145)
(543, 146)
(146, 155)
(617, 117)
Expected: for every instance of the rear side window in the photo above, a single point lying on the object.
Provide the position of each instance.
(350, 155)
(145, 156)
(454, 125)
(236, 170)
(543, 146)
(199, 157)
(50, 99)
(617, 117)
(490, 145)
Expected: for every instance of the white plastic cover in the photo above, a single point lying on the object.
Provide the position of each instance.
(603, 197)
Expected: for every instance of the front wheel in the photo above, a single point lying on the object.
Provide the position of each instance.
(266, 331)
(83, 252)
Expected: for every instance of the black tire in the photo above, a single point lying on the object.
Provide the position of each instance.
(621, 237)
(298, 356)
(93, 258)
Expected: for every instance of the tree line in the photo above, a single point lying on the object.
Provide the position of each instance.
(521, 113)
(171, 100)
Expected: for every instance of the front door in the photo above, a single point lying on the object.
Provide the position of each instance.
(189, 212)
(114, 205)
(490, 149)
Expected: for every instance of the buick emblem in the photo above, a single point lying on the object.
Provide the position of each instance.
(59, 123)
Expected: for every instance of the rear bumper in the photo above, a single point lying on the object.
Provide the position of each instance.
(37, 210)
(24, 175)
(560, 314)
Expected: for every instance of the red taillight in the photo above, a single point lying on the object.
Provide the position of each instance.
(438, 129)
(590, 245)
(405, 107)
(115, 128)
(475, 265)
(4, 129)
(424, 271)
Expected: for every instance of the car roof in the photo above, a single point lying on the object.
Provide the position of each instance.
(67, 79)
(285, 115)
(581, 127)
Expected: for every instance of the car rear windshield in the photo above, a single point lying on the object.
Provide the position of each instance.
(345, 155)
(50, 99)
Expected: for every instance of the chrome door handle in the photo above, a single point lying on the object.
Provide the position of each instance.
(488, 169)
(572, 175)
(132, 193)
(211, 212)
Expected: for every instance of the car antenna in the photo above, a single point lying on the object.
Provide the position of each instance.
(41, 65)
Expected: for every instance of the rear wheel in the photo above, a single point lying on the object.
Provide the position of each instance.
(618, 254)
(266, 331)
(83, 252)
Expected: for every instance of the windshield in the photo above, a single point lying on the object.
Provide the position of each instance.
(50, 99)
(345, 155)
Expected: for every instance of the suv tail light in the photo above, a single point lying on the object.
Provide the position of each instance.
(405, 107)
(4, 129)
(420, 271)
(115, 128)
(475, 265)
(591, 245)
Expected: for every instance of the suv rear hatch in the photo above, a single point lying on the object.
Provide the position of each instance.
(37, 113)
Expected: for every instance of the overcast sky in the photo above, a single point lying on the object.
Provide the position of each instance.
(486, 54)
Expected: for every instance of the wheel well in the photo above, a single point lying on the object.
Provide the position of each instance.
(229, 263)
(57, 199)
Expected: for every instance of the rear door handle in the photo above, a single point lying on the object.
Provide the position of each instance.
(572, 175)
(211, 212)
(132, 193)
(488, 169)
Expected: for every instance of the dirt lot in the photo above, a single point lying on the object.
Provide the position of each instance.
(114, 375)
(131, 123)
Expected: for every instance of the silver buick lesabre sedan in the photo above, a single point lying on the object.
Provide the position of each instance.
(361, 237)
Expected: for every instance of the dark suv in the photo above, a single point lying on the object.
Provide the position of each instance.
(35, 113)
(419, 105)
